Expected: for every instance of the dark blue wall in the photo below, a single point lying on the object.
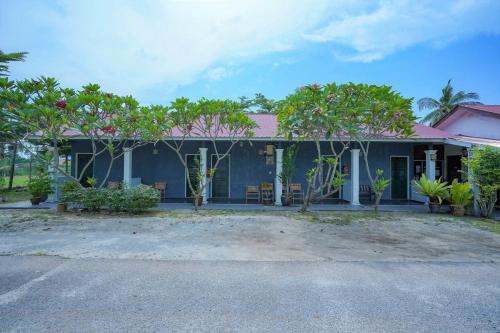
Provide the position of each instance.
(247, 166)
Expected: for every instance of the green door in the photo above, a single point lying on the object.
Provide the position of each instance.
(399, 178)
(193, 164)
(220, 181)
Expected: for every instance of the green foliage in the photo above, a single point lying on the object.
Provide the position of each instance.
(485, 167)
(380, 183)
(288, 167)
(132, 200)
(460, 194)
(40, 185)
(435, 190)
(92, 181)
(69, 189)
(446, 103)
(5, 58)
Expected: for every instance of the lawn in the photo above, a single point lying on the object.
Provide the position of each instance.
(15, 196)
(18, 180)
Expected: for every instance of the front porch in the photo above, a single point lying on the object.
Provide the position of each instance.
(257, 162)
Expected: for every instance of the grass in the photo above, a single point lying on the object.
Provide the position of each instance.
(491, 225)
(17, 181)
(16, 196)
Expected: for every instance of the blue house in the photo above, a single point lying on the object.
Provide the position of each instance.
(430, 151)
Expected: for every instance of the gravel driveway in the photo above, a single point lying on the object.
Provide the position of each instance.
(248, 236)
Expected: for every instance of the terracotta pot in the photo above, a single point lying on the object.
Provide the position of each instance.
(61, 207)
(434, 207)
(35, 201)
(458, 210)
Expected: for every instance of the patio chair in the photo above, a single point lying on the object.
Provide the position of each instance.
(252, 193)
(162, 187)
(267, 193)
(114, 185)
(296, 192)
(366, 191)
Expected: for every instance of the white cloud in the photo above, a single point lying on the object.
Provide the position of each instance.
(373, 33)
(134, 46)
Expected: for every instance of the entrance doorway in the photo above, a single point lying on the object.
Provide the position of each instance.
(221, 179)
(399, 177)
(453, 167)
(81, 162)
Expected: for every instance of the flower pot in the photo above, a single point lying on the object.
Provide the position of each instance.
(35, 201)
(434, 207)
(61, 207)
(458, 210)
(285, 200)
(198, 201)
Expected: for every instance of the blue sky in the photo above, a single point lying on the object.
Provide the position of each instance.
(159, 50)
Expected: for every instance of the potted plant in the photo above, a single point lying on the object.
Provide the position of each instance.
(68, 192)
(39, 186)
(286, 174)
(460, 197)
(435, 190)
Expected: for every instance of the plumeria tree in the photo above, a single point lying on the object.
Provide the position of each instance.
(221, 122)
(320, 114)
(379, 113)
(50, 115)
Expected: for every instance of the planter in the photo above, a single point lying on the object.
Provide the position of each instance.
(35, 201)
(61, 207)
(198, 202)
(458, 210)
(285, 201)
(434, 207)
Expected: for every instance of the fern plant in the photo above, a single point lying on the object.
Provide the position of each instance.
(435, 190)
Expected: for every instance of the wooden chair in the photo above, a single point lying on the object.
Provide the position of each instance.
(162, 187)
(114, 185)
(366, 191)
(297, 192)
(252, 193)
(267, 193)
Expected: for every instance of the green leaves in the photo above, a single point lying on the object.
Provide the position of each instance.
(435, 190)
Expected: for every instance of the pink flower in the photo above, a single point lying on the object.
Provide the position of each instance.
(108, 129)
(189, 127)
(109, 95)
(331, 98)
(317, 110)
(61, 104)
(397, 115)
(315, 86)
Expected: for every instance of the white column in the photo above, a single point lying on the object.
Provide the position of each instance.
(203, 170)
(430, 164)
(277, 181)
(354, 176)
(127, 166)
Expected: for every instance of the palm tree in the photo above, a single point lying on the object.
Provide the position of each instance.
(5, 58)
(445, 104)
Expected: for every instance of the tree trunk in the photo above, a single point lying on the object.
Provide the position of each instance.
(12, 166)
(378, 196)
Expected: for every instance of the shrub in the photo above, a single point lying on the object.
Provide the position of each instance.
(140, 198)
(40, 185)
(132, 200)
(68, 190)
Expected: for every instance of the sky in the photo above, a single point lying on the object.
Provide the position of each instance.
(157, 51)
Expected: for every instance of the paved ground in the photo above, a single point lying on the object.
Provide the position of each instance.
(253, 271)
(47, 294)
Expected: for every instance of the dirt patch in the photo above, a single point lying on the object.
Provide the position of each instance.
(229, 235)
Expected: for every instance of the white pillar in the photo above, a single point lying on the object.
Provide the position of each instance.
(127, 166)
(430, 164)
(277, 181)
(354, 176)
(203, 170)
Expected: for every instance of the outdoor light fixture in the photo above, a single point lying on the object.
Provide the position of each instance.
(434, 157)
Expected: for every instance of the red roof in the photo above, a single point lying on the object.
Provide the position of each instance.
(486, 108)
(267, 127)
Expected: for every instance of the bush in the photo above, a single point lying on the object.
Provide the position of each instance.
(132, 200)
(460, 194)
(40, 185)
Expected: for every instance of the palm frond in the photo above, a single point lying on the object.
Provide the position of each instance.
(432, 117)
(427, 103)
